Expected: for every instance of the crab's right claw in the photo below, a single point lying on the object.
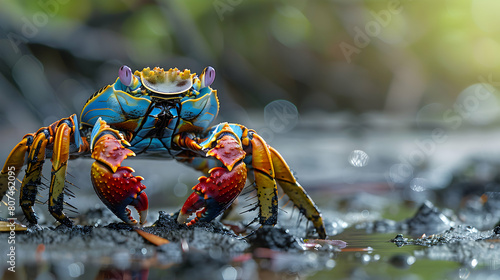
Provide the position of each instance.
(119, 189)
(114, 184)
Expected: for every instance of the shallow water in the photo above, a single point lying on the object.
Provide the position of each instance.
(384, 260)
(366, 256)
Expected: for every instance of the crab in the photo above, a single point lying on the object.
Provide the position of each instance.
(158, 113)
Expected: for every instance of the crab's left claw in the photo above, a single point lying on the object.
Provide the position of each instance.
(215, 194)
(205, 201)
(114, 184)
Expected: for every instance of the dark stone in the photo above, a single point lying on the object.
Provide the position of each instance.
(496, 230)
(399, 240)
(273, 238)
(428, 216)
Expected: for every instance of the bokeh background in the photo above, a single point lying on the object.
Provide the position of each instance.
(329, 56)
(374, 104)
(393, 93)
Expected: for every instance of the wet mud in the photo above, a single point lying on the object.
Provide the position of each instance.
(461, 231)
(206, 248)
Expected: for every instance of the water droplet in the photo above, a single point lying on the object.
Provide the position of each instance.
(180, 189)
(410, 260)
(229, 273)
(463, 273)
(281, 116)
(418, 184)
(365, 213)
(365, 258)
(330, 264)
(358, 158)
(76, 269)
(121, 260)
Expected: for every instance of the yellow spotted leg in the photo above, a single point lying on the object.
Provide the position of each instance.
(296, 192)
(58, 136)
(269, 168)
(13, 164)
(267, 192)
(59, 159)
(32, 179)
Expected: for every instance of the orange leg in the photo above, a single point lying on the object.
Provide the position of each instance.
(60, 135)
(14, 163)
(269, 168)
(31, 181)
(296, 192)
(59, 159)
(267, 191)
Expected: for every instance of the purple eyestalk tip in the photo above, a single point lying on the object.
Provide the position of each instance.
(208, 76)
(125, 74)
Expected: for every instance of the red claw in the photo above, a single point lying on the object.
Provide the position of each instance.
(214, 194)
(114, 184)
(120, 189)
(194, 202)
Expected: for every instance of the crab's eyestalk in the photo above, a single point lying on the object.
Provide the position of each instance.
(125, 74)
(207, 77)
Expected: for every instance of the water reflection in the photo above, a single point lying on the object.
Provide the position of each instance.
(382, 259)
(113, 273)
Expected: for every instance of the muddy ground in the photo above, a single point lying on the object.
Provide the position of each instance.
(439, 222)
(115, 250)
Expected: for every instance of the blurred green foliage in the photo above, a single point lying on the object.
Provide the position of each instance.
(359, 56)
